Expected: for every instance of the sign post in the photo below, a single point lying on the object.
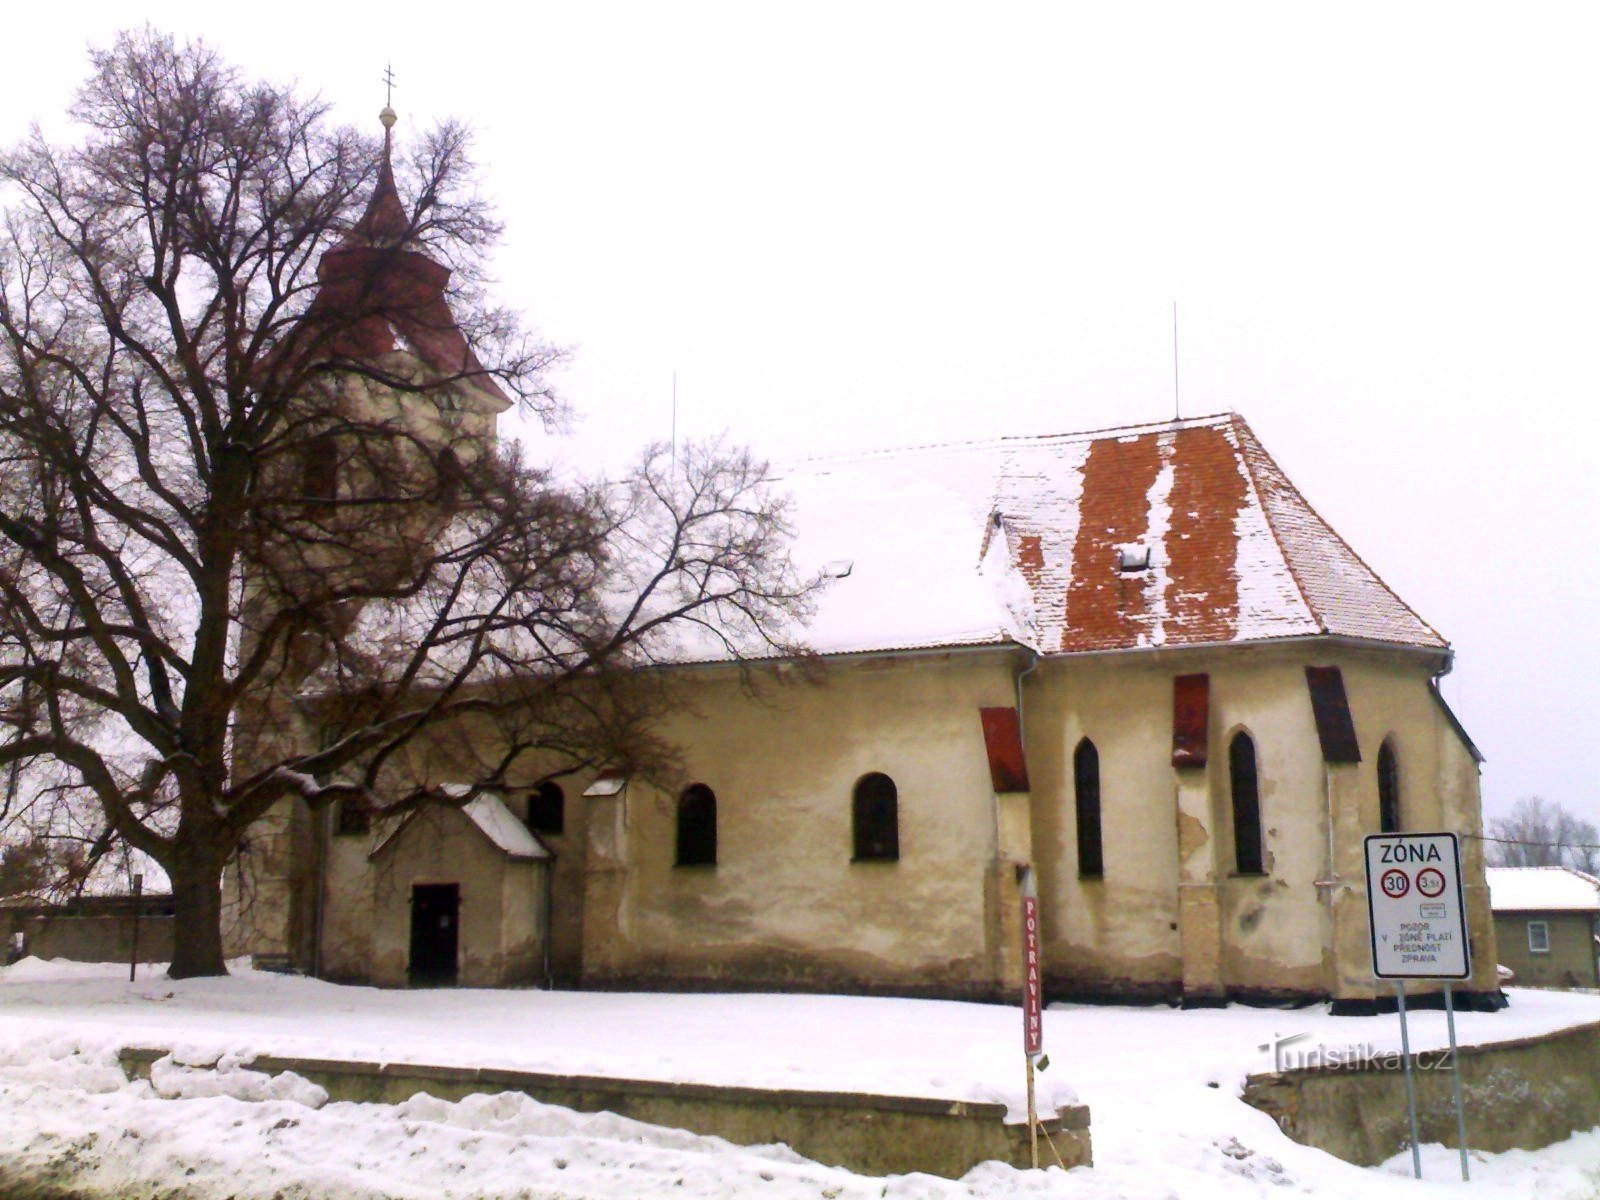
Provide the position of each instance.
(133, 949)
(1419, 931)
(1032, 998)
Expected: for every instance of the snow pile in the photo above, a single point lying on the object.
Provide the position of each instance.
(1161, 1084)
(172, 1080)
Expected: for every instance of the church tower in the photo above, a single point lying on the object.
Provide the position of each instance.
(394, 412)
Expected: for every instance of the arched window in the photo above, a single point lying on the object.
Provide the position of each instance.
(697, 827)
(547, 808)
(1246, 805)
(1388, 789)
(1086, 790)
(875, 814)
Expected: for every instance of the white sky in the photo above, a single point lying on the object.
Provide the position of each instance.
(857, 225)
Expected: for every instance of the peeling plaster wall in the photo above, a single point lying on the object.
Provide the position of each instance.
(1170, 917)
(349, 916)
(785, 905)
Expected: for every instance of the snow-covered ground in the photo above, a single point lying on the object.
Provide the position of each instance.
(1162, 1087)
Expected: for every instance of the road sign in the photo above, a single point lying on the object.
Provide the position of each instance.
(1419, 927)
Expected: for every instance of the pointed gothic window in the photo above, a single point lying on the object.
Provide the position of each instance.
(1086, 790)
(1388, 789)
(875, 816)
(1246, 796)
(697, 827)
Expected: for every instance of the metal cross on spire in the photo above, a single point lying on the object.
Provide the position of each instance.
(388, 85)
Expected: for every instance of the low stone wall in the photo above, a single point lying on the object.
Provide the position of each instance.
(92, 937)
(876, 1135)
(1521, 1094)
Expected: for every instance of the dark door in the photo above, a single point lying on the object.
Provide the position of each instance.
(435, 909)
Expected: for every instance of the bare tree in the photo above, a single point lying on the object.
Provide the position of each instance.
(1540, 833)
(257, 542)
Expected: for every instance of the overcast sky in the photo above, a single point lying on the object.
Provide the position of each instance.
(863, 225)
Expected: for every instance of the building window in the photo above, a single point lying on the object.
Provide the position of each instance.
(1086, 790)
(1538, 937)
(547, 808)
(697, 827)
(319, 468)
(875, 816)
(1388, 789)
(1246, 796)
(354, 816)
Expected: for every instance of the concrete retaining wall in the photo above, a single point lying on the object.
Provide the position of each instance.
(1521, 1094)
(876, 1135)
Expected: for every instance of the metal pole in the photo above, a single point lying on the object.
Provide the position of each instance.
(1411, 1086)
(133, 950)
(1455, 1081)
(1033, 1121)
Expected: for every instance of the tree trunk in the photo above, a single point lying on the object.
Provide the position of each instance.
(197, 920)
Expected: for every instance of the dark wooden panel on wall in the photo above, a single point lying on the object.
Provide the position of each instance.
(1002, 738)
(1191, 718)
(1335, 730)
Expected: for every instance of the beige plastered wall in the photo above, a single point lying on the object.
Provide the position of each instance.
(785, 905)
(1171, 917)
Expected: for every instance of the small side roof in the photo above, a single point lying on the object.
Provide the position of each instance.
(1542, 889)
(494, 820)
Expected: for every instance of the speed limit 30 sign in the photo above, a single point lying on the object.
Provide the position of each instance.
(1419, 928)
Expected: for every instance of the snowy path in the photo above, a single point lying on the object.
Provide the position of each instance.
(1160, 1128)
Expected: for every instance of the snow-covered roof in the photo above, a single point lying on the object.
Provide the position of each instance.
(1542, 889)
(1021, 539)
(497, 823)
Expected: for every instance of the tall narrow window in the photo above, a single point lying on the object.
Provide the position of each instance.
(547, 808)
(697, 827)
(319, 468)
(1388, 789)
(1246, 805)
(1086, 789)
(875, 816)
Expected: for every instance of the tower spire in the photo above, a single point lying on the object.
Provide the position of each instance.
(385, 222)
(387, 115)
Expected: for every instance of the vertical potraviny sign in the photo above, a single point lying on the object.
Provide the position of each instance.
(1032, 1021)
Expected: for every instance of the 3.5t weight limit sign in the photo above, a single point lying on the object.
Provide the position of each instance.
(1419, 928)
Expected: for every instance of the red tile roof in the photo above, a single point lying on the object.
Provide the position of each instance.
(1236, 554)
(379, 294)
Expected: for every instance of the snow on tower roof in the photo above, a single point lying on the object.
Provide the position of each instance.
(1171, 534)
(1542, 889)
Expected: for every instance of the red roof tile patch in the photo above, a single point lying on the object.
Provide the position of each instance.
(1106, 607)
(1209, 490)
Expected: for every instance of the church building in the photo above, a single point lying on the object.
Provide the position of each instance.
(1134, 663)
